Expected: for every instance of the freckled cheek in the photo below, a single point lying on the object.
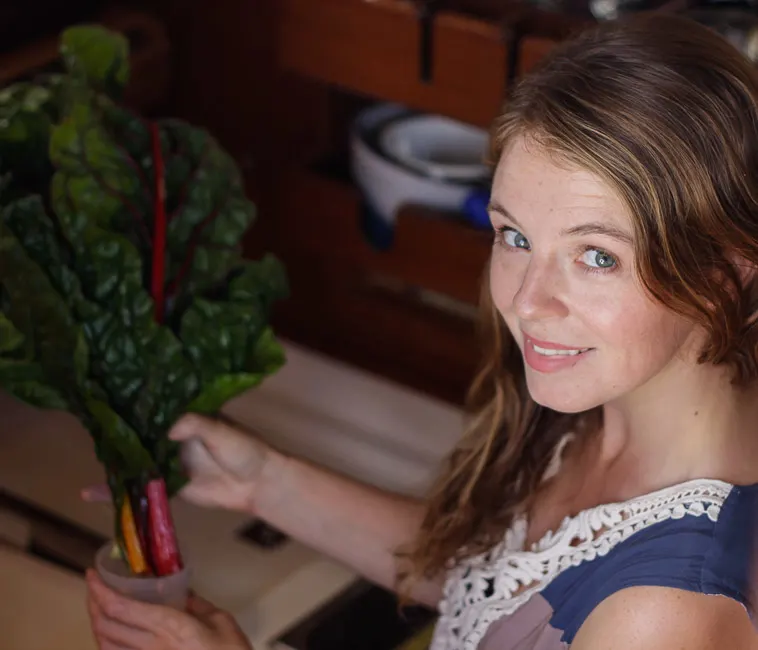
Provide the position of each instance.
(504, 285)
(605, 316)
(635, 336)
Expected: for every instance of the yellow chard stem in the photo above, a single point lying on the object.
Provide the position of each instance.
(134, 552)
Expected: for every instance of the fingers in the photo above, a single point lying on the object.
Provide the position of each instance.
(193, 425)
(198, 458)
(96, 493)
(112, 635)
(114, 607)
(210, 446)
(200, 607)
(210, 431)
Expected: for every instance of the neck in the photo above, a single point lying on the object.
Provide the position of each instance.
(689, 422)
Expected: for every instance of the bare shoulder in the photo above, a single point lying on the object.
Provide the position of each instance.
(662, 618)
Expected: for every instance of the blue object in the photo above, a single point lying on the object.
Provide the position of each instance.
(378, 233)
(475, 209)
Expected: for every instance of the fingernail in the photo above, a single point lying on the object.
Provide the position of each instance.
(182, 427)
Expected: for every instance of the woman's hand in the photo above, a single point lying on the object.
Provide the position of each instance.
(120, 623)
(223, 462)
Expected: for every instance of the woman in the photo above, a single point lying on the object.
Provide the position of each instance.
(605, 490)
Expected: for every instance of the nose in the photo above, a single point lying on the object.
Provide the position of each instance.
(538, 295)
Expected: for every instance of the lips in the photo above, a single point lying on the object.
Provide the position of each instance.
(545, 356)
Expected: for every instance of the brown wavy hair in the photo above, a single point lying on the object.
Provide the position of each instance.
(665, 111)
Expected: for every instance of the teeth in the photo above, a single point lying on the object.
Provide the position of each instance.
(557, 353)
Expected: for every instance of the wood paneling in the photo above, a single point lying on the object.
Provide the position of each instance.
(373, 48)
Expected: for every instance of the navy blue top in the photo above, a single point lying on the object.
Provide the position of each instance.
(691, 553)
(699, 537)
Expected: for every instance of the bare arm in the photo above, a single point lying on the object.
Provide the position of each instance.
(356, 524)
(662, 618)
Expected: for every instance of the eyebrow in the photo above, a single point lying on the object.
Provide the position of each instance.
(589, 228)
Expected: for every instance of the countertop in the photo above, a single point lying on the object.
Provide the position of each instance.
(46, 458)
(333, 414)
(42, 605)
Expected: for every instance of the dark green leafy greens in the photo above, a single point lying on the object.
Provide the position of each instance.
(79, 175)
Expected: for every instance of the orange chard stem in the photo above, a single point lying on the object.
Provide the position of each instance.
(134, 552)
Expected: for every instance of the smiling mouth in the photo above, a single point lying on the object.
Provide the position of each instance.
(549, 352)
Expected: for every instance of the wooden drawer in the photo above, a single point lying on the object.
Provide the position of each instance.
(431, 250)
(372, 47)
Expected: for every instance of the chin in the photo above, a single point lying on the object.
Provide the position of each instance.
(562, 395)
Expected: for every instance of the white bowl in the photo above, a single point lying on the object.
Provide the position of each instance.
(386, 184)
(437, 146)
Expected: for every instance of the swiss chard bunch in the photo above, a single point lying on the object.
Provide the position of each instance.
(124, 295)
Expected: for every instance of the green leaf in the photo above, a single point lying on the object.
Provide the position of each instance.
(10, 337)
(35, 231)
(26, 114)
(96, 56)
(267, 355)
(215, 335)
(228, 339)
(261, 282)
(121, 439)
(96, 178)
(223, 388)
(174, 474)
(78, 182)
(209, 211)
(39, 313)
(169, 384)
(34, 393)
(21, 376)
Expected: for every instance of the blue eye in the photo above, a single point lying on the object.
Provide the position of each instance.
(598, 259)
(514, 239)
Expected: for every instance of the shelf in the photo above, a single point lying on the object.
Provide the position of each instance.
(374, 48)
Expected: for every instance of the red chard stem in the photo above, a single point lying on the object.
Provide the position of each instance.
(159, 227)
(165, 555)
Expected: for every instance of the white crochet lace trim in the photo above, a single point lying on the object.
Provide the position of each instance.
(487, 587)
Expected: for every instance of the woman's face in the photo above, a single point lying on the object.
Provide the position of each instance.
(562, 276)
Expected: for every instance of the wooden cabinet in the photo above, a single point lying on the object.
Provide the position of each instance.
(279, 82)
(374, 47)
(323, 218)
(407, 313)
